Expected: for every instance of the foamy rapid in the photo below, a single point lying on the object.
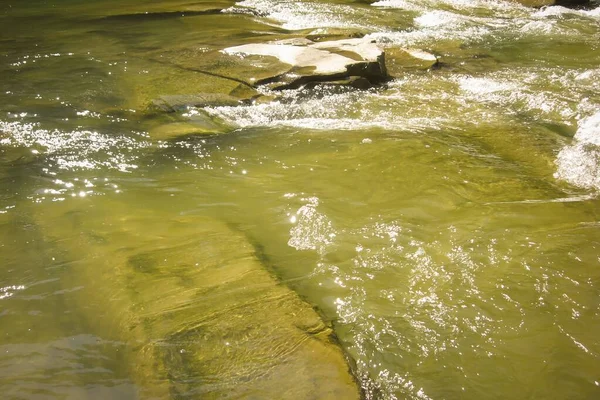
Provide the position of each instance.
(294, 15)
(432, 20)
(579, 163)
(452, 101)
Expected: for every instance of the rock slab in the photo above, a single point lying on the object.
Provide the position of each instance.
(200, 314)
(318, 61)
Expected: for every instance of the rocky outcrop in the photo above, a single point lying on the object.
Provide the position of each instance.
(292, 63)
(310, 61)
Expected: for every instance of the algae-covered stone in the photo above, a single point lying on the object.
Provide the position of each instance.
(173, 103)
(158, 9)
(398, 60)
(181, 129)
(176, 86)
(200, 314)
(330, 33)
(247, 70)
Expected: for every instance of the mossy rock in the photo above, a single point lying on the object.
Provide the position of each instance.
(328, 34)
(177, 130)
(149, 10)
(171, 103)
(201, 315)
(399, 60)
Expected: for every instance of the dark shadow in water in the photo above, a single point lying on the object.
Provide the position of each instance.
(367, 389)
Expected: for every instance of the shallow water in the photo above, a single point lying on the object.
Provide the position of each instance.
(446, 224)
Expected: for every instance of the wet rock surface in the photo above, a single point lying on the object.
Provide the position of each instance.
(177, 102)
(398, 60)
(310, 61)
(199, 311)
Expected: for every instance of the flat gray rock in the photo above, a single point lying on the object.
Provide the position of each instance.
(319, 62)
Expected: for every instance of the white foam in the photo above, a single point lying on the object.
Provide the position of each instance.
(294, 15)
(438, 25)
(560, 12)
(347, 111)
(547, 94)
(522, 91)
(434, 19)
(589, 130)
(579, 163)
(399, 4)
(456, 4)
(542, 27)
(313, 230)
(472, 21)
(484, 86)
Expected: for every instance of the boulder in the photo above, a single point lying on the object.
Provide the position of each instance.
(318, 62)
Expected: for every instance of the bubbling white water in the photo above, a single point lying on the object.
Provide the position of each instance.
(294, 15)
(579, 162)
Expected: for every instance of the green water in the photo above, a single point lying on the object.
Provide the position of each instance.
(445, 226)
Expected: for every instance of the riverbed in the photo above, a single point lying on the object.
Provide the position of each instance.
(443, 228)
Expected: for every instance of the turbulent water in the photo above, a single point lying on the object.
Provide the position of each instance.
(445, 224)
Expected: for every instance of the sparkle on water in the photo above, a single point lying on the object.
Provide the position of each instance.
(445, 224)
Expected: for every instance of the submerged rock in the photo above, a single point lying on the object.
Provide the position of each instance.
(200, 314)
(143, 11)
(331, 33)
(318, 62)
(400, 59)
(149, 16)
(177, 130)
(177, 102)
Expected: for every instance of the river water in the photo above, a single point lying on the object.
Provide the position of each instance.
(446, 225)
